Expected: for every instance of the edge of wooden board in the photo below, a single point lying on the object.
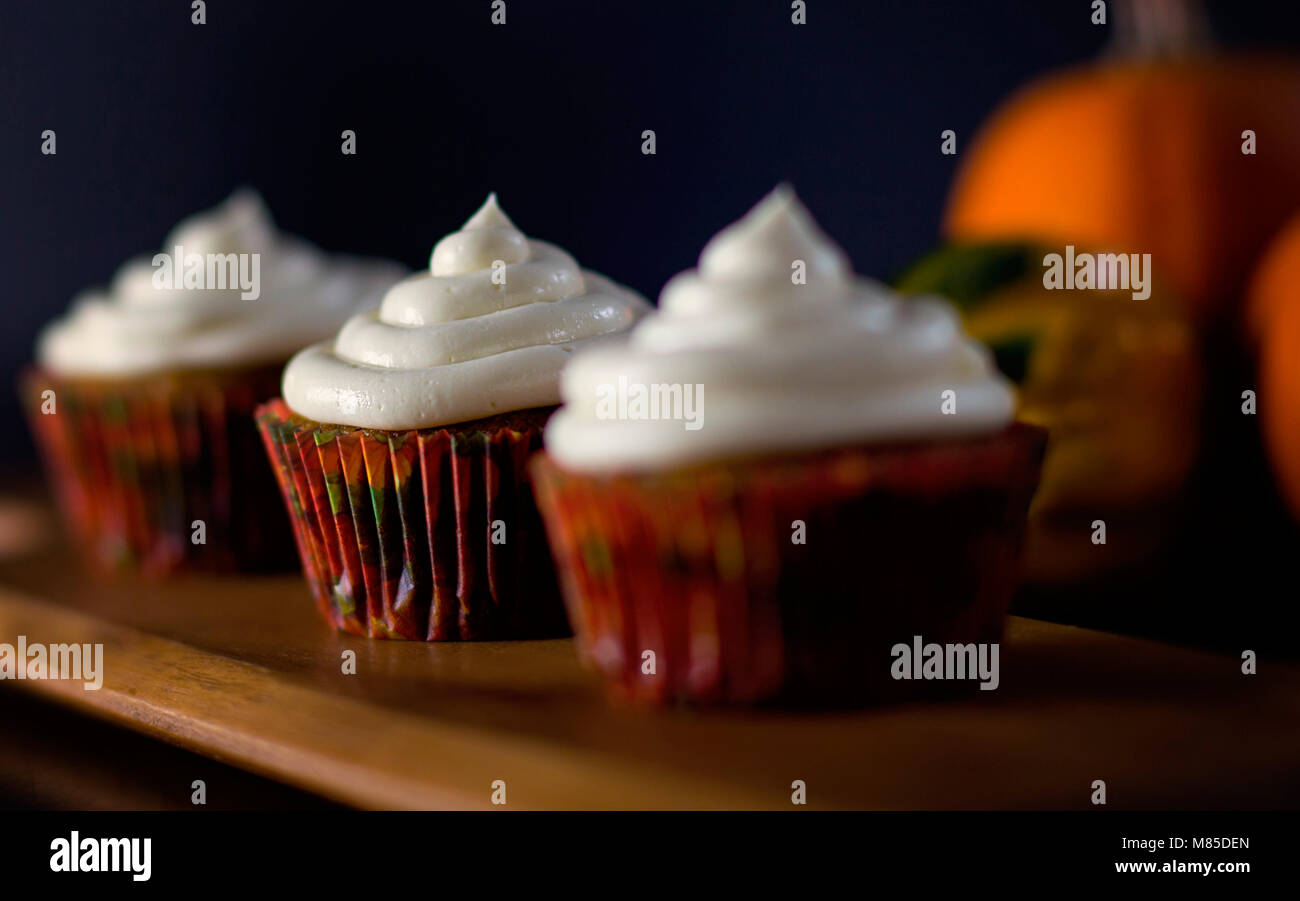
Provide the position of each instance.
(337, 747)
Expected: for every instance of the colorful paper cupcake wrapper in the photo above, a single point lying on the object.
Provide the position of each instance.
(425, 534)
(136, 463)
(694, 586)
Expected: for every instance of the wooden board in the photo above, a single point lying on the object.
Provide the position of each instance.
(240, 669)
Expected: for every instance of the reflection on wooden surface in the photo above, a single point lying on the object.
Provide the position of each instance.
(242, 670)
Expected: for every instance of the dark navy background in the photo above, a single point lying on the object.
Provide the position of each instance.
(157, 118)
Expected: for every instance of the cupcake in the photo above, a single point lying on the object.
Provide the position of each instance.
(782, 475)
(142, 396)
(400, 445)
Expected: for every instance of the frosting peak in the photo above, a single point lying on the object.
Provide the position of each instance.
(765, 244)
(791, 350)
(485, 238)
(240, 225)
(763, 274)
(485, 330)
(489, 215)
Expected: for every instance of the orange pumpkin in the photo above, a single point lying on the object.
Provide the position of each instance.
(1275, 310)
(1144, 156)
(1276, 282)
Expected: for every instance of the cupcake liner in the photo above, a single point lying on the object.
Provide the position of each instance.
(703, 567)
(135, 462)
(426, 534)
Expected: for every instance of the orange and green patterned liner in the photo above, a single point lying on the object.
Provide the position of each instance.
(789, 578)
(136, 462)
(428, 534)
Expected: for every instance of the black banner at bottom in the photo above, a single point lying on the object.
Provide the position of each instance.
(673, 851)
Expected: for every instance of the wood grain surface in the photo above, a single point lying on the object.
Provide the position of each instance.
(242, 670)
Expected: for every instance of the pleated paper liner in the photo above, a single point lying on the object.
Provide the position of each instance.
(137, 462)
(426, 534)
(789, 579)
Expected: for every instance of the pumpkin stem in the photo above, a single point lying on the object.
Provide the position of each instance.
(1153, 29)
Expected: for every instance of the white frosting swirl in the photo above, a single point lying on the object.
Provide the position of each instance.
(142, 324)
(767, 364)
(486, 330)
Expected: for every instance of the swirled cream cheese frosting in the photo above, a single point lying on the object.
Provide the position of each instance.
(773, 345)
(229, 290)
(485, 330)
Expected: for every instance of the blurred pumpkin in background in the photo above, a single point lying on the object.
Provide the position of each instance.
(1275, 284)
(1142, 152)
(1115, 380)
(1275, 325)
